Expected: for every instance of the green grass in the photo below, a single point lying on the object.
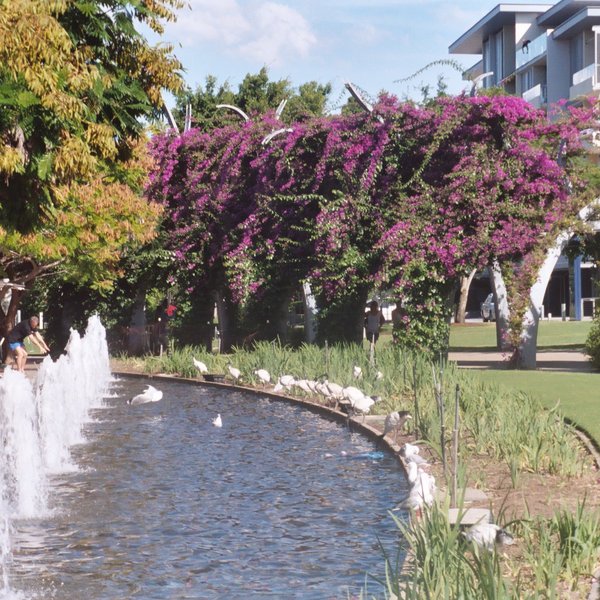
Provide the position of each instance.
(577, 393)
(551, 335)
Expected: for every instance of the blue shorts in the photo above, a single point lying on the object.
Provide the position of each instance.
(15, 345)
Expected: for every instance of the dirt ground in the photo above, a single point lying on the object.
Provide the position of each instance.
(533, 494)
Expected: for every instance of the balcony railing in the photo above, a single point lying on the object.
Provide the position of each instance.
(589, 72)
(536, 94)
(535, 48)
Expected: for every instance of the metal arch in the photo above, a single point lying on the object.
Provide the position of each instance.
(169, 116)
(239, 111)
(361, 101)
(358, 97)
(280, 108)
(188, 117)
(478, 80)
(275, 133)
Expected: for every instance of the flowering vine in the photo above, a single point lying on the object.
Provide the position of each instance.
(408, 198)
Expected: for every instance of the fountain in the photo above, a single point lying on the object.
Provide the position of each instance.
(38, 425)
(159, 503)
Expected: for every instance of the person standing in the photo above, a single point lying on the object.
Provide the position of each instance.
(16, 341)
(374, 319)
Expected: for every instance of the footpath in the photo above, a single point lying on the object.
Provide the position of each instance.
(547, 360)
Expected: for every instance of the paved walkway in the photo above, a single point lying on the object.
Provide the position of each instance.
(547, 360)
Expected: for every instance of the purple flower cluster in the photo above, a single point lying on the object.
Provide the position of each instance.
(355, 200)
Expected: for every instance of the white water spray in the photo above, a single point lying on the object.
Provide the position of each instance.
(39, 424)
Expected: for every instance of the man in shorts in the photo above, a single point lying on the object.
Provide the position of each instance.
(16, 338)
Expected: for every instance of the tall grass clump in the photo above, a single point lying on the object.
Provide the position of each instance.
(551, 559)
(440, 564)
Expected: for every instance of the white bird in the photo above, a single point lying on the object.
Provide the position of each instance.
(358, 400)
(417, 460)
(235, 373)
(303, 385)
(409, 449)
(323, 389)
(200, 366)
(335, 389)
(284, 382)
(312, 386)
(379, 375)
(357, 372)
(394, 421)
(263, 375)
(287, 381)
(217, 421)
(150, 394)
(488, 535)
(422, 488)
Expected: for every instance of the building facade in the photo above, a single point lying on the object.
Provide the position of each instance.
(547, 54)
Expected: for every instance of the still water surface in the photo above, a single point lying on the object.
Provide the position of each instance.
(278, 503)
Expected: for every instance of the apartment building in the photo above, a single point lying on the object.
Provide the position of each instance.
(545, 53)
(542, 52)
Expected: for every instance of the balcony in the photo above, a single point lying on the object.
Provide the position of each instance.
(536, 96)
(536, 48)
(585, 82)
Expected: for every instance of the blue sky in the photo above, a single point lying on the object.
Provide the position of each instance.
(372, 43)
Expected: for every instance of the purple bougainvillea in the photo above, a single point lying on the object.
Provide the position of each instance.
(352, 202)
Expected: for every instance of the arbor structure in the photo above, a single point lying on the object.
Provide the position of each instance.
(76, 79)
(407, 198)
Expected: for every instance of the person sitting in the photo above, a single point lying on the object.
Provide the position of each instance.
(16, 341)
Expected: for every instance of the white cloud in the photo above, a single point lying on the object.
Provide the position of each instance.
(210, 21)
(280, 31)
(265, 31)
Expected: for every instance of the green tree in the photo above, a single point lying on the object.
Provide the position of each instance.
(255, 95)
(76, 79)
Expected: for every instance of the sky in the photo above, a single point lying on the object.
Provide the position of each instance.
(372, 43)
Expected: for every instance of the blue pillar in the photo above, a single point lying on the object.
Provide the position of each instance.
(577, 287)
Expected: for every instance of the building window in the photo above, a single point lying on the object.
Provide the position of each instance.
(498, 56)
(576, 53)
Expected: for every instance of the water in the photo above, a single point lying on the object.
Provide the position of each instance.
(159, 503)
(38, 425)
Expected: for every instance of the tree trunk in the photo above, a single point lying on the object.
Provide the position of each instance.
(465, 284)
(281, 315)
(7, 322)
(136, 339)
(310, 314)
(501, 307)
(228, 321)
(526, 355)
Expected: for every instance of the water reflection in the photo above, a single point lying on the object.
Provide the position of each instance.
(278, 503)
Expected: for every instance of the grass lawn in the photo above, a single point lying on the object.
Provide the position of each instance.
(578, 393)
(551, 334)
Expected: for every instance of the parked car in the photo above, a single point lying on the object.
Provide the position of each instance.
(488, 309)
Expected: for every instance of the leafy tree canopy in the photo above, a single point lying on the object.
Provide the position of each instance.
(77, 81)
(256, 95)
(407, 198)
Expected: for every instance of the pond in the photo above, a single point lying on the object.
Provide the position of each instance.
(277, 503)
